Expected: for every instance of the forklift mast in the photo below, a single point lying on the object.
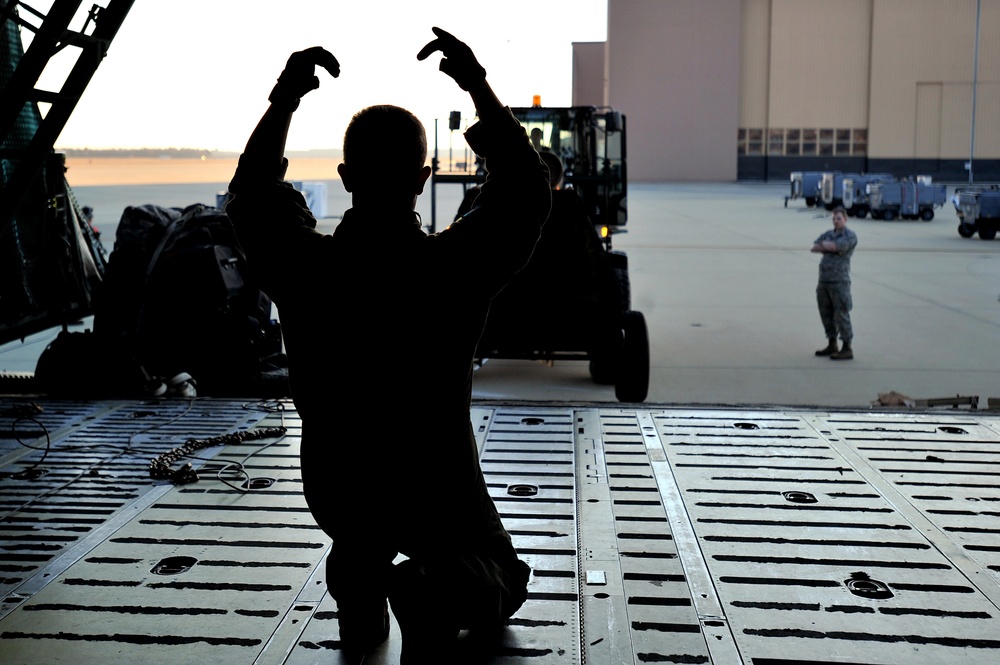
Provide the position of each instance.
(50, 257)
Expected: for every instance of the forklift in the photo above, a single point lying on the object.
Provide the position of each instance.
(549, 312)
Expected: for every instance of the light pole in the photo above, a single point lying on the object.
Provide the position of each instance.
(975, 76)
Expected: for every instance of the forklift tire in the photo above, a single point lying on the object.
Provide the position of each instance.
(633, 367)
(927, 214)
(966, 230)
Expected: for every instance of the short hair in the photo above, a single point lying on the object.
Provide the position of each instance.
(554, 164)
(840, 209)
(384, 142)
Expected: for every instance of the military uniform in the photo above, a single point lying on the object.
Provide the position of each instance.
(833, 293)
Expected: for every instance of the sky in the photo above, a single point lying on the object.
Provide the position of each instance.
(196, 73)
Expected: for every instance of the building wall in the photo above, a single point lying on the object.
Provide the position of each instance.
(590, 82)
(755, 63)
(720, 89)
(804, 83)
(673, 69)
(921, 92)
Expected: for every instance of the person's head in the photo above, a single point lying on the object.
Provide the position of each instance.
(385, 150)
(839, 218)
(536, 138)
(555, 167)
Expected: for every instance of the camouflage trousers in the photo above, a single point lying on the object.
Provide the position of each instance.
(834, 300)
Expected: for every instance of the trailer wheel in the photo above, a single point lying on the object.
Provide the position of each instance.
(633, 368)
(927, 214)
(888, 215)
(810, 201)
(860, 212)
(966, 230)
(988, 233)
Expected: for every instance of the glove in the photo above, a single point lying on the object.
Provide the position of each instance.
(459, 62)
(299, 76)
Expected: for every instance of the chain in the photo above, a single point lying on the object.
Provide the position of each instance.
(160, 467)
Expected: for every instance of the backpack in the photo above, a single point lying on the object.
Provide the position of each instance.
(178, 297)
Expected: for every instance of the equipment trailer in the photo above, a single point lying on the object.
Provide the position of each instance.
(978, 210)
(855, 188)
(805, 185)
(907, 199)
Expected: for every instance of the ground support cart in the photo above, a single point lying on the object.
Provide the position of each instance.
(978, 210)
(854, 192)
(805, 184)
(907, 199)
(831, 187)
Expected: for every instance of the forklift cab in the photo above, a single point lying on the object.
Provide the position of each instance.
(589, 140)
(591, 144)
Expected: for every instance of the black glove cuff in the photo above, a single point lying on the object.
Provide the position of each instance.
(278, 97)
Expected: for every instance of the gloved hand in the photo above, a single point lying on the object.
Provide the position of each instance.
(459, 62)
(299, 75)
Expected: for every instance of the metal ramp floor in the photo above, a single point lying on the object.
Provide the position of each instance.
(655, 535)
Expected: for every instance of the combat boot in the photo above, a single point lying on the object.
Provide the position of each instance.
(830, 349)
(845, 353)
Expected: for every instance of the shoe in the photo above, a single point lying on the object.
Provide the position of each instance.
(362, 628)
(844, 354)
(830, 349)
(428, 636)
(182, 385)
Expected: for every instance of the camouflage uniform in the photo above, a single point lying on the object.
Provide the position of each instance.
(833, 293)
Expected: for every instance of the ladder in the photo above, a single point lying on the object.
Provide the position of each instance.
(50, 258)
(51, 35)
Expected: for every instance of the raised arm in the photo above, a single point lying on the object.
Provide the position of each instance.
(460, 63)
(271, 219)
(264, 153)
(514, 202)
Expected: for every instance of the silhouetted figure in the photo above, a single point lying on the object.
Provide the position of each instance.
(380, 322)
(536, 139)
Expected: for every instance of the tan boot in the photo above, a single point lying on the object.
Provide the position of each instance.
(830, 349)
(845, 353)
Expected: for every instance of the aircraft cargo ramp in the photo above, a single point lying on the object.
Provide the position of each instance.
(656, 534)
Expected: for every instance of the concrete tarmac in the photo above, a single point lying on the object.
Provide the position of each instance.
(725, 279)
